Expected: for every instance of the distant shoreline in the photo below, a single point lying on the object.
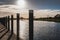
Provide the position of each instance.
(41, 19)
(49, 19)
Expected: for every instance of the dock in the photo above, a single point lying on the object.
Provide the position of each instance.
(7, 27)
(5, 34)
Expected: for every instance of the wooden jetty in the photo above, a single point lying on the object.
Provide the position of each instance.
(5, 34)
(8, 34)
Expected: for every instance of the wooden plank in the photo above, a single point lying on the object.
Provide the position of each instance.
(3, 34)
(2, 28)
(6, 36)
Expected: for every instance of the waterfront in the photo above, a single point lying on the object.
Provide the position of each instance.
(43, 30)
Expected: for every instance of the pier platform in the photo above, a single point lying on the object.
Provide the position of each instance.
(5, 34)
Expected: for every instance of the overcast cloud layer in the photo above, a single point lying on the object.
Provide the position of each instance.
(10, 9)
(44, 7)
(36, 4)
(4, 2)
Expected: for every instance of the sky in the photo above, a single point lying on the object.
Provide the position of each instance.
(51, 7)
(35, 4)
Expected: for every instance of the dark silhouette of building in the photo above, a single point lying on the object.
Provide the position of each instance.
(57, 16)
(21, 18)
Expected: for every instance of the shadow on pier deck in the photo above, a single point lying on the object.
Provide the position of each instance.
(5, 34)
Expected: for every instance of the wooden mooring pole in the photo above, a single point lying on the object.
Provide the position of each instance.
(11, 24)
(18, 28)
(8, 23)
(30, 24)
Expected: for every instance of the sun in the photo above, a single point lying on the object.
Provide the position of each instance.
(21, 3)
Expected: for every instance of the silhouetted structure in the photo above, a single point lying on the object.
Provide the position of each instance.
(21, 18)
(18, 27)
(30, 24)
(6, 22)
(57, 16)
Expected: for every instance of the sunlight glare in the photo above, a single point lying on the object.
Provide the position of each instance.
(21, 3)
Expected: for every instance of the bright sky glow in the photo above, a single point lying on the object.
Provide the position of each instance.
(21, 3)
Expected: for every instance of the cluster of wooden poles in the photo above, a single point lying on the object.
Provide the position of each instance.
(6, 22)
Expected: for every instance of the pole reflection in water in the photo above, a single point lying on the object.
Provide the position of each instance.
(24, 29)
(43, 30)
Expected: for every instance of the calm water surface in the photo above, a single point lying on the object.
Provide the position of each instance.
(43, 30)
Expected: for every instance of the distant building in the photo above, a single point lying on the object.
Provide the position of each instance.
(21, 18)
(57, 16)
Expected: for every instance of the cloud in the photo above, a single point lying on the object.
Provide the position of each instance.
(37, 13)
(11, 8)
(35, 4)
(5, 2)
(1, 3)
(46, 13)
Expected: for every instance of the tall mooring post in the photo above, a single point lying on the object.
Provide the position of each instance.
(30, 24)
(18, 28)
(8, 23)
(11, 24)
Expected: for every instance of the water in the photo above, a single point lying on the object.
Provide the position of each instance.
(43, 30)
